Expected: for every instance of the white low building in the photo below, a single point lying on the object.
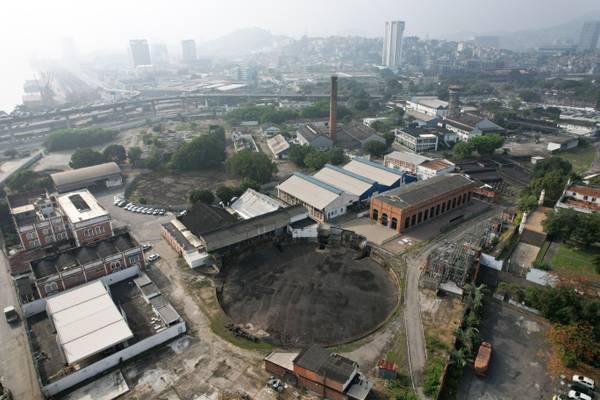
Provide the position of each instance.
(428, 105)
(323, 201)
(252, 204)
(431, 168)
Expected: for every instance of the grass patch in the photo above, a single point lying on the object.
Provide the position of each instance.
(575, 259)
(543, 250)
(581, 157)
(432, 375)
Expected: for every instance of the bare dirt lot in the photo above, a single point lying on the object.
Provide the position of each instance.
(302, 295)
(168, 189)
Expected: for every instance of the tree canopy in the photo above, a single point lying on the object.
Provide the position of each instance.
(550, 175)
(86, 158)
(202, 152)
(251, 165)
(203, 195)
(134, 154)
(564, 224)
(486, 145)
(463, 150)
(27, 179)
(375, 148)
(115, 152)
(67, 139)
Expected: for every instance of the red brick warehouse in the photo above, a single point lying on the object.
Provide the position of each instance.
(414, 204)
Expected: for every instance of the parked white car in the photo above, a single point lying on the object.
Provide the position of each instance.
(573, 394)
(153, 257)
(585, 381)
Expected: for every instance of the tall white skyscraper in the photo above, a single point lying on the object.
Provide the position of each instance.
(392, 43)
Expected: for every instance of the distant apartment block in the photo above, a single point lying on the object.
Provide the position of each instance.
(590, 32)
(139, 52)
(188, 51)
(392, 44)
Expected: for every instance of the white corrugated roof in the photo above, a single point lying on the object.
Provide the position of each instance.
(346, 182)
(371, 170)
(318, 196)
(278, 144)
(406, 157)
(86, 321)
(252, 204)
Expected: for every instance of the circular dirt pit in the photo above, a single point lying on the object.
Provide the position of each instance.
(301, 295)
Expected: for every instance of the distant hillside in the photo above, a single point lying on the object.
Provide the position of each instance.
(564, 33)
(243, 41)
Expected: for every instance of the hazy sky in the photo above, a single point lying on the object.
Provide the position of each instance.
(31, 27)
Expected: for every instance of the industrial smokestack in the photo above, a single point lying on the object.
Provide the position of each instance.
(333, 109)
(454, 101)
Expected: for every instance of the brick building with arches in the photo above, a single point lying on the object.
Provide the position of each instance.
(408, 206)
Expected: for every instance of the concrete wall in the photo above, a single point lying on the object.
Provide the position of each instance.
(491, 262)
(113, 360)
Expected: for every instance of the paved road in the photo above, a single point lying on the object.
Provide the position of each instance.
(414, 327)
(16, 366)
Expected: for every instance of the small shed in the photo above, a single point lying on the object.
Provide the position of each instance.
(387, 370)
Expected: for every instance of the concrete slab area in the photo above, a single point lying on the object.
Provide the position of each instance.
(373, 231)
(518, 368)
(108, 387)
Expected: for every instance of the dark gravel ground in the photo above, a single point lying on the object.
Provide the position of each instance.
(302, 295)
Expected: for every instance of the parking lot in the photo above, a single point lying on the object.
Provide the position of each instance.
(518, 368)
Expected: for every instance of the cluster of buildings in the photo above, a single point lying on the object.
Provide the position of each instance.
(330, 192)
(85, 300)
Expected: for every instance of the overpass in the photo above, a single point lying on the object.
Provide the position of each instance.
(152, 102)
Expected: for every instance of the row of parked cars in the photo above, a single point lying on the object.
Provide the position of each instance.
(581, 388)
(139, 209)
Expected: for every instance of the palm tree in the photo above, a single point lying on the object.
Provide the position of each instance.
(460, 357)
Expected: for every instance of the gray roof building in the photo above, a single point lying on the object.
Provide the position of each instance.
(108, 174)
(422, 191)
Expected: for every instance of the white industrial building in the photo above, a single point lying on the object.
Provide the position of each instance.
(323, 201)
(87, 322)
(431, 168)
(348, 181)
(252, 204)
(404, 161)
(377, 172)
(428, 105)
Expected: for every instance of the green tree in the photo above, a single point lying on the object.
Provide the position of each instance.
(202, 152)
(527, 202)
(252, 165)
(560, 224)
(115, 152)
(486, 145)
(462, 150)
(316, 159)
(203, 195)
(587, 230)
(85, 158)
(27, 179)
(375, 148)
(12, 153)
(225, 193)
(337, 156)
(67, 139)
(298, 153)
(134, 154)
(389, 138)
(361, 104)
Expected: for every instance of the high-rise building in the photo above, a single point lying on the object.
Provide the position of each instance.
(588, 40)
(188, 50)
(159, 53)
(140, 52)
(392, 43)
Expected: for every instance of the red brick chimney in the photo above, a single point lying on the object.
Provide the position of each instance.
(333, 109)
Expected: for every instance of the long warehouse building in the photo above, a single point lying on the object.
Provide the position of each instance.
(411, 205)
